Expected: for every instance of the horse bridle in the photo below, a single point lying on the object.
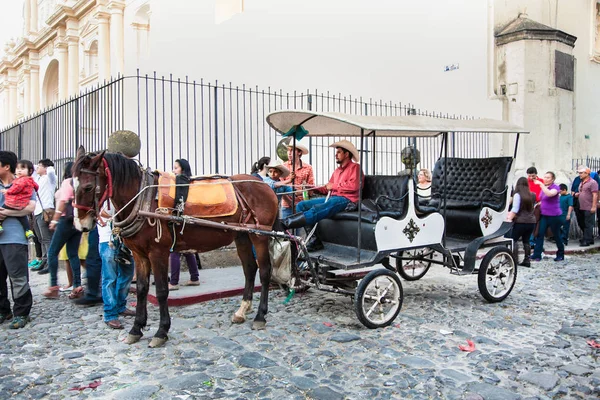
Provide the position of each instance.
(105, 196)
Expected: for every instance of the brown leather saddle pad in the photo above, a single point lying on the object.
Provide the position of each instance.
(207, 197)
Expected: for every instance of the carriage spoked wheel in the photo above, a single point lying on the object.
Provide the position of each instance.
(415, 269)
(378, 298)
(497, 274)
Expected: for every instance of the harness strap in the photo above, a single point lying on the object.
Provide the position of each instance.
(247, 212)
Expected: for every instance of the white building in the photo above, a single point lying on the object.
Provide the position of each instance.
(440, 56)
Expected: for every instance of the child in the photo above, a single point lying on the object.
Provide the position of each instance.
(19, 194)
(566, 205)
(276, 171)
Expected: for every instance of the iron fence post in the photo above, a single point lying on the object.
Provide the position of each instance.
(44, 140)
(76, 123)
(20, 142)
(216, 128)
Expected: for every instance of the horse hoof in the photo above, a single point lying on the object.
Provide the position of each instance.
(157, 342)
(131, 339)
(259, 325)
(236, 319)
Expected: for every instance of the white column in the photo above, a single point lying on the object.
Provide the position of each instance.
(73, 46)
(103, 46)
(63, 70)
(117, 40)
(33, 5)
(12, 96)
(27, 18)
(35, 82)
(26, 91)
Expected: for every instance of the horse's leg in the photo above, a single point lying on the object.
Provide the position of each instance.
(142, 268)
(244, 250)
(160, 268)
(261, 245)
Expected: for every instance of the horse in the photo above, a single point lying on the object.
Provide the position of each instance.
(103, 176)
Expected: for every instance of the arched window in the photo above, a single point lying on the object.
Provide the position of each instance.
(141, 25)
(50, 86)
(92, 58)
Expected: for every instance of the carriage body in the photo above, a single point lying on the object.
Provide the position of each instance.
(395, 233)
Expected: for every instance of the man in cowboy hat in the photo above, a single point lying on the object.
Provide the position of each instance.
(344, 186)
(302, 174)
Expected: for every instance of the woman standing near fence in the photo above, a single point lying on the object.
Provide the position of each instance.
(550, 217)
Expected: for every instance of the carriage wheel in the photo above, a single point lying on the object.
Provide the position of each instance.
(413, 270)
(497, 274)
(378, 298)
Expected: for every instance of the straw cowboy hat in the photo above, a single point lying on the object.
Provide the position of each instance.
(278, 165)
(347, 145)
(298, 147)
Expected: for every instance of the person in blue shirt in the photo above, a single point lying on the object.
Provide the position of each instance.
(13, 252)
(566, 206)
(276, 171)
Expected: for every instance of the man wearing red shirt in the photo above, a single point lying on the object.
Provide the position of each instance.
(532, 176)
(344, 186)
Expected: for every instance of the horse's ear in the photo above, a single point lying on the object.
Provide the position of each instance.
(97, 159)
(80, 152)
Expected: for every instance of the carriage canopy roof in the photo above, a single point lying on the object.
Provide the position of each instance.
(338, 124)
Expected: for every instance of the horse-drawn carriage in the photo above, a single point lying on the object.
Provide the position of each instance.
(394, 232)
(391, 233)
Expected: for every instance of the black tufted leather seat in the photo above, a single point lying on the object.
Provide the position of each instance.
(342, 228)
(471, 183)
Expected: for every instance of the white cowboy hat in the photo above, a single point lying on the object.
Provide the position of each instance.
(298, 147)
(278, 165)
(347, 145)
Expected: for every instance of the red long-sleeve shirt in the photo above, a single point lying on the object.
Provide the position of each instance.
(345, 181)
(19, 193)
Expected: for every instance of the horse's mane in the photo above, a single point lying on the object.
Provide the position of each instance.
(125, 171)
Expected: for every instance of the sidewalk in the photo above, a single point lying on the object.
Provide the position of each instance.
(220, 283)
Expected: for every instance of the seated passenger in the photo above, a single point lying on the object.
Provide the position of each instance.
(424, 184)
(275, 171)
(344, 186)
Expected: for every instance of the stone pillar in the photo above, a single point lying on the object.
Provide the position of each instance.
(35, 82)
(103, 46)
(117, 41)
(63, 70)
(27, 18)
(12, 96)
(26, 90)
(33, 6)
(72, 40)
(535, 69)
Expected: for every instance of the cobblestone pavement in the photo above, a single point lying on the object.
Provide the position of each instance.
(533, 345)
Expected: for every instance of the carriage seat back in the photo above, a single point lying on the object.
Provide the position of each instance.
(388, 192)
(471, 183)
(207, 196)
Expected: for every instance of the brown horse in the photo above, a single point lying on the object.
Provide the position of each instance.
(112, 176)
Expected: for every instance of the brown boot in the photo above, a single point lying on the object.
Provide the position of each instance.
(53, 293)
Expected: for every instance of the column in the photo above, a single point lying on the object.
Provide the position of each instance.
(73, 51)
(12, 96)
(117, 40)
(103, 46)
(63, 70)
(26, 91)
(27, 18)
(33, 5)
(35, 82)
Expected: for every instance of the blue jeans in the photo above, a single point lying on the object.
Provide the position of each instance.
(116, 279)
(93, 264)
(564, 229)
(554, 223)
(65, 233)
(317, 209)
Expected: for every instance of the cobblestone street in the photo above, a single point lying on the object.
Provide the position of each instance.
(533, 345)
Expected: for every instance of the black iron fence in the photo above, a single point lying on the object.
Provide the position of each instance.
(219, 128)
(591, 162)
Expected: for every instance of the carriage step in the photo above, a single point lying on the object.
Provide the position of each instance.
(343, 257)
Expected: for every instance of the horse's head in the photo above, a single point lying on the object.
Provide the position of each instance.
(91, 186)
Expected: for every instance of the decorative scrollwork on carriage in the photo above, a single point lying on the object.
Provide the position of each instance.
(487, 218)
(411, 230)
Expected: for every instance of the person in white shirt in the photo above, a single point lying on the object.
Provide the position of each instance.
(46, 180)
